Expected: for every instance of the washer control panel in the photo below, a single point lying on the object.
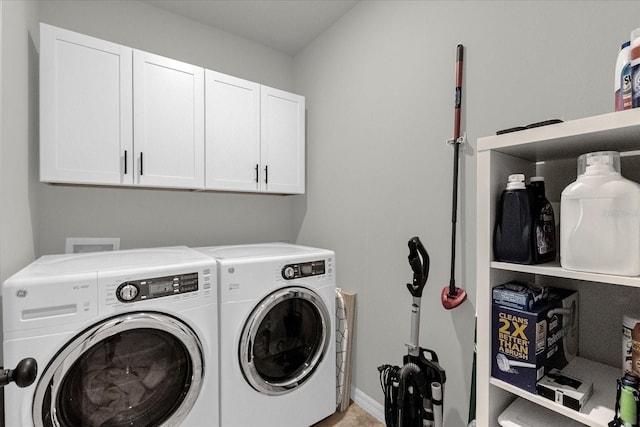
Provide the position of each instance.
(303, 269)
(157, 287)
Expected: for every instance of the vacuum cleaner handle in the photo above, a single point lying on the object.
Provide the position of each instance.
(419, 262)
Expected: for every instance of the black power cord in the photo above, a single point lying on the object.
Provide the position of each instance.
(389, 382)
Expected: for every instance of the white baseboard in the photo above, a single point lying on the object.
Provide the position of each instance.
(368, 404)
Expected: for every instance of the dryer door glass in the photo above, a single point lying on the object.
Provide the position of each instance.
(284, 340)
(141, 369)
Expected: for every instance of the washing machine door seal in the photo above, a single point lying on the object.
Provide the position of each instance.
(284, 340)
(135, 369)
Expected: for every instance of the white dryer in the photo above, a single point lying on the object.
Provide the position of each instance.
(124, 338)
(277, 334)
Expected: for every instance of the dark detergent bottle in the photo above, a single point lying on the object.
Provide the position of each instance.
(513, 234)
(544, 224)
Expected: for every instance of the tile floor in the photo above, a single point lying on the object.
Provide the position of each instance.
(354, 416)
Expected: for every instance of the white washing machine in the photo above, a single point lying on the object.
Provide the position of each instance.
(277, 334)
(124, 338)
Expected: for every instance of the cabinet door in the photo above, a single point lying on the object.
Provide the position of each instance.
(85, 109)
(168, 101)
(232, 148)
(282, 141)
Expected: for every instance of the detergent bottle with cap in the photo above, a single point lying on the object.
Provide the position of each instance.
(544, 225)
(600, 218)
(622, 86)
(634, 62)
(513, 233)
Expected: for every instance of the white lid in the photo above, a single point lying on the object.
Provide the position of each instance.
(516, 182)
(599, 163)
(635, 37)
(630, 319)
(635, 42)
(536, 179)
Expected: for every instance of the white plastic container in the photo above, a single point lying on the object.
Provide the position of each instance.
(600, 218)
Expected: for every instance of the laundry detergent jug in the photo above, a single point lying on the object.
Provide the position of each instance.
(600, 218)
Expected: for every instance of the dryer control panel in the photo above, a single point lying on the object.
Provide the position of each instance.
(144, 289)
(303, 269)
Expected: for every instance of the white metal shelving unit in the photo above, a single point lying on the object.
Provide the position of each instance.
(557, 148)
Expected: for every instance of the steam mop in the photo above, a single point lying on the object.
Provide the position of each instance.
(414, 393)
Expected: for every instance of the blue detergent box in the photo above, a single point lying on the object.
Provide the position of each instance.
(527, 344)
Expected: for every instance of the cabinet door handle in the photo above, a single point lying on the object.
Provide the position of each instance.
(125, 162)
(141, 164)
(266, 174)
(257, 178)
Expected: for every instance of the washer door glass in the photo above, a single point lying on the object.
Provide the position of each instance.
(284, 340)
(139, 369)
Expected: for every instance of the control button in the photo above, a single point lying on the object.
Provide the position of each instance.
(128, 292)
(289, 272)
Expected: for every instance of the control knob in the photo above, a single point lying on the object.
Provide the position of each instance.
(289, 272)
(128, 292)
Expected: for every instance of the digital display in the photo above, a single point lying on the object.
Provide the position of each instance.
(157, 287)
(307, 269)
(160, 288)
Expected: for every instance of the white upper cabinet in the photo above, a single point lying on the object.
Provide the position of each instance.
(255, 137)
(282, 148)
(85, 109)
(232, 133)
(113, 115)
(168, 105)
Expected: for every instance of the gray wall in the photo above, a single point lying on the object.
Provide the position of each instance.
(17, 129)
(379, 88)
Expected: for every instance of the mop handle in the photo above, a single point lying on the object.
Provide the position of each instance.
(458, 101)
(456, 147)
